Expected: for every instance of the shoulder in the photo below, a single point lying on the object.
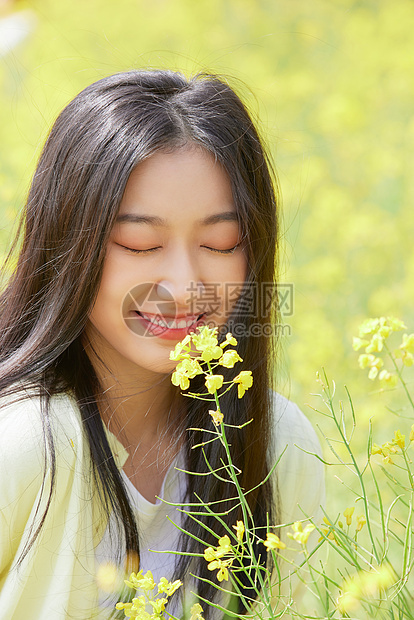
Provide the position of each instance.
(300, 471)
(24, 432)
(290, 426)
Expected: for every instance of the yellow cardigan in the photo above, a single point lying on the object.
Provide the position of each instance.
(56, 579)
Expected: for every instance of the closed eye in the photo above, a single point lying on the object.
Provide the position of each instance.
(229, 251)
(135, 251)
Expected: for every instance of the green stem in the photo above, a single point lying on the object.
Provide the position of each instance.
(399, 373)
(247, 515)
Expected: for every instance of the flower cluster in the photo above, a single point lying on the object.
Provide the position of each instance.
(200, 353)
(364, 585)
(329, 531)
(299, 533)
(372, 335)
(149, 605)
(216, 556)
(221, 558)
(273, 542)
(395, 446)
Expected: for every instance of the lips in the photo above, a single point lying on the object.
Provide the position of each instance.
(169, 327)
(170, 322)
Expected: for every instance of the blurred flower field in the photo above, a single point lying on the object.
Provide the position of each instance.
(332, 84)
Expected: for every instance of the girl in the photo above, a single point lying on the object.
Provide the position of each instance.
(152, 211)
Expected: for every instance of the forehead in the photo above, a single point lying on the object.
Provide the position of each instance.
(168, 184)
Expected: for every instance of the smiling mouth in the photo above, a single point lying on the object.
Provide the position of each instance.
(170, 323)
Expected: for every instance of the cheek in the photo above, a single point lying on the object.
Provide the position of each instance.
(115, 283)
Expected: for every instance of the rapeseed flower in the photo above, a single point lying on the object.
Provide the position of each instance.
(196, 612)
(207, 343)
(230, 339)
(217, 417)
(273, 542)
(408, 343)
(229, 358)
(299, 534)
(244, 380)
(239, 527)
(187, 369)
(361, 520)
(399, 439)
(168, 587)
(214, 383)
(364, 585)
(348, 514)
(214, 555)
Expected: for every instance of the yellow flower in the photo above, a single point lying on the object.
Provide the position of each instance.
(370, 361)
(214, 383)
(229, 340)
(244, 380)
(214, 557)
(158, 605)
(178, 354)
(348, 514)
(408, 343)
(388, 448)
(273, 542)
(218, 563)
(363, 585)
(126, 607)
(224, 548)
(388, 378)
(407, 358)
(399, 439)
(299, 534)
(369, 327)
(411, 436)
(361, 520)
(395, 324)
(222, 565)
(181, 379)
(239, 527)
(347, 602)
(382, 326)
(376, 344)
(108, 577)
(186, 370)
(376, 449)
(206, 342)
(196, 612)
(217, 417)
(136, 609)
(140, 581)
(358, 343)
(168, 587)
(229, 358)
(374, 368)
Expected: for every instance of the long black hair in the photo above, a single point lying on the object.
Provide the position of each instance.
(95, 143)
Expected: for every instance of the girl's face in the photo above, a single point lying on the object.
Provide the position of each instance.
(174, 261)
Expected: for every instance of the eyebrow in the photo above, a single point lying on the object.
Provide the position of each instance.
(152, 220)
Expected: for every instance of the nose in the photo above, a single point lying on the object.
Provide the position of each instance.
(181, 280)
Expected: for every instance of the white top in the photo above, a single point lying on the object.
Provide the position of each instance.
(300, 491)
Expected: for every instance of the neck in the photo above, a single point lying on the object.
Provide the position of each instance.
(136, 404)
